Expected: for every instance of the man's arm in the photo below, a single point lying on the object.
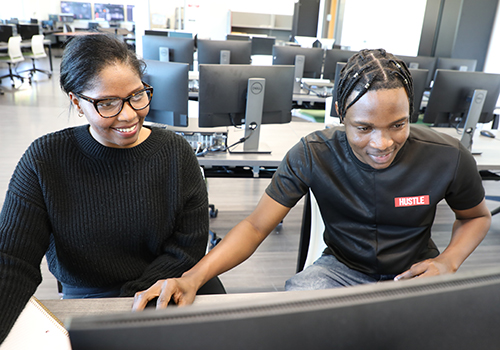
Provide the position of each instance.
(238, 245)
(469, 229)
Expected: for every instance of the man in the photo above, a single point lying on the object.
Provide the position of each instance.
(377, 182)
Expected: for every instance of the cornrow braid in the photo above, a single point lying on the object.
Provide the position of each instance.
(372, 70)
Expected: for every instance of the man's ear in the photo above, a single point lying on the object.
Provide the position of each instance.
(75, 101)
(337, 110)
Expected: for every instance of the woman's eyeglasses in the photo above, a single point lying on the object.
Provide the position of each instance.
(112, 106)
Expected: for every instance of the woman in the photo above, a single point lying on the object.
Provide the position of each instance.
(114, 205)
(377, 182)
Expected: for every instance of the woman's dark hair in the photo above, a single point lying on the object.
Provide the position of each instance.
(372, 70)
(86, 56)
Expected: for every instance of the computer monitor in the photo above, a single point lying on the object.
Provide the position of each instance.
(240, 37)
(419, 77)
(421, 62)
(453, 311)
(168, 49)
(332, 57)
(313, 59)
(79, 10)
(26, 31)
(224, 51)
(229, 96)
(462, 64)
(109, 12)
(263, 45)
(451, 94)
(6, 31)
(170, 95)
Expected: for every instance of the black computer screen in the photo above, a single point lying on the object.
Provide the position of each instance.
(170, 92)
(455, 311)
(332, 57)
(419, 85)
(179, 49)
(6, 31)
(421, 62)
(209, 51)
(109, 12)
(419, 77)
(80, 10)
(223, 93)
(285, 55)
(26, 31)
(262, 45)
(451, 93)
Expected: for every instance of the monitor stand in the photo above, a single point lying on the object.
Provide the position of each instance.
(225, 56)
(164, 54)
(473, 114)
(299, 73)
(253, 119)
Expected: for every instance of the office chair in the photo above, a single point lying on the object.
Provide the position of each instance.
(37, 52)
(14, 56)
(312, 243)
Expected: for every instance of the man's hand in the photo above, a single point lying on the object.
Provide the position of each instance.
(429, 267)
(179, 290)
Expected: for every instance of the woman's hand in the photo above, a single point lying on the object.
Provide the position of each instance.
(179, 290)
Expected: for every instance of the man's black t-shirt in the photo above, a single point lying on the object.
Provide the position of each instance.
(379, 221)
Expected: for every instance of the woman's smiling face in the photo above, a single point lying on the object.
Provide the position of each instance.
(124, 130)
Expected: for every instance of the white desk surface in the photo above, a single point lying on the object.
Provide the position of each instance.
(281, 137)
(489, 159)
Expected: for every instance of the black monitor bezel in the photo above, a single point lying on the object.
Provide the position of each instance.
(332, 57)
(450, 91)
(181, 49)
(170, 82)
(313, 64)
(222, 93)
(454, 311)
(209, 51)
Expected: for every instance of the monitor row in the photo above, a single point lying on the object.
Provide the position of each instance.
(224, 98)
(26, 31)
(317, 62)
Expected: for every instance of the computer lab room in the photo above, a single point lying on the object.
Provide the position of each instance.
(262, 98)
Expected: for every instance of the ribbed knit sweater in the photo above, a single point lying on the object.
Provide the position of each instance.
(102, 216)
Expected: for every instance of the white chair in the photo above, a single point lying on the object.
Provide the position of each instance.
(37, 52)
(14, 56)
(312, 244)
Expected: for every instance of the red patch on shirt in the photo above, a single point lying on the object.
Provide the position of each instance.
(411, 201)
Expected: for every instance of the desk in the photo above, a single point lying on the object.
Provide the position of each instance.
(281, 137)
(69, 308)
(490, 157)
(278, 137)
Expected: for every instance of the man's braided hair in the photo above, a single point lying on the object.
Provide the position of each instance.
(372, 70)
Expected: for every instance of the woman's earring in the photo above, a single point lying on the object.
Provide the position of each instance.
(80, 114)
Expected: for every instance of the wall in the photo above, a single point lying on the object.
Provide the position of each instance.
(394, 25)
(492, 62)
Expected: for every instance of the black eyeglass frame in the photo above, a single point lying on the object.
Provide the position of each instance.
(94, 101)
